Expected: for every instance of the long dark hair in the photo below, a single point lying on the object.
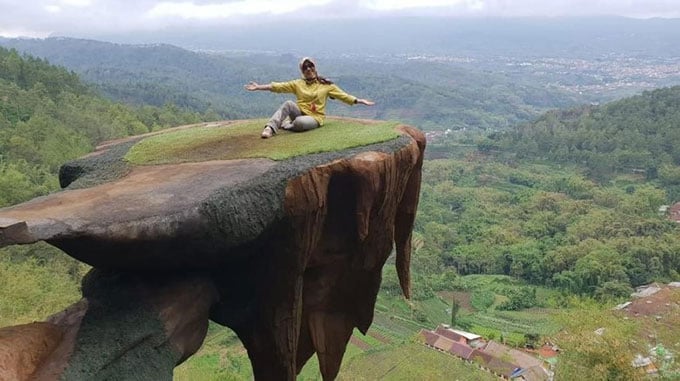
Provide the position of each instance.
(320, 79)
(323, 80)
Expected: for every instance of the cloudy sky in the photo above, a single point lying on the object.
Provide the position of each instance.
(79, 18)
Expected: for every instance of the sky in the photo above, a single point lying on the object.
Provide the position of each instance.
(82, 18)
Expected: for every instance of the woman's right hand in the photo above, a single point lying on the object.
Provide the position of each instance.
(252, 86)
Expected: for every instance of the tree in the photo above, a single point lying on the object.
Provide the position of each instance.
(520, 298)
(613, 290)
(645, 201)
(455, 307)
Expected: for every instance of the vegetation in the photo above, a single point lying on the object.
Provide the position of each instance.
(391, 349)
(410, 361)
(222, 357)
(605, 355)
(240, 140)
(637, 134)
(47, 117)
(36, 281)
(545, 225)
(519, 236)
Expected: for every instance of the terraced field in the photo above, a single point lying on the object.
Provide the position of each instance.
(390, 350)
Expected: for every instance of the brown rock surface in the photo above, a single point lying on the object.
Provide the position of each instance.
(288, 254)
(23, 348)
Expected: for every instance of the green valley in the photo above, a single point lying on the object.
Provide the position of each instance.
(527, 235)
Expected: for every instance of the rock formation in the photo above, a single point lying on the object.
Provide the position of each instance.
(287, 253)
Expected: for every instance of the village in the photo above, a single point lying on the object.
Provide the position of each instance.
(497, 358)
(655, 301)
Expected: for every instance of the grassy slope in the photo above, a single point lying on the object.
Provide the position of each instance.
(37, 281)
(388, 351)
(411, 361)
(220, 358)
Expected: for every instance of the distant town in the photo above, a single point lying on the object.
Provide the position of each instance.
(609, 74)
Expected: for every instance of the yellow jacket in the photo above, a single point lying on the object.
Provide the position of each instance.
(311, 97)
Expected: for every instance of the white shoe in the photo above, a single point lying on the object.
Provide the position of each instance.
(267, 132)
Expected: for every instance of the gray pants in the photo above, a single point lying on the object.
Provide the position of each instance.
(298, 122)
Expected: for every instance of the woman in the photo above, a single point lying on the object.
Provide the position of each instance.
(311, 91)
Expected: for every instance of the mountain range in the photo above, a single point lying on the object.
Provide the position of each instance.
(436, 73)
(567, 36)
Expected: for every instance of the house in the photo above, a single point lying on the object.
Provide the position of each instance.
(435, 340)
(461, 350)
(511, 355)
(467, 338)
(493, 364)
(497, 358)
(525, 366)
(428, 337)
(445, 344)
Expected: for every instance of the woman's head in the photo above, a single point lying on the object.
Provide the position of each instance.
(306, 62)
(308, 69)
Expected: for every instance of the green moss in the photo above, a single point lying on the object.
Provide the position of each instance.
(121, 337)
(242, 140)
(92, 170)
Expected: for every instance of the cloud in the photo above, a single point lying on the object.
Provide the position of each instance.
(397, 5)
(58, 6)
(53, 8)
(190, 10)
(558, 8)
(83, 18)
(76, 3)
(14, 32)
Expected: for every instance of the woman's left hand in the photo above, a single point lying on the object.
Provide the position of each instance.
(365, 102)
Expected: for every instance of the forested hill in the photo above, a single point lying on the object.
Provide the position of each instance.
(522, 206)
(640, 134)
(432, 95)
(153, 74)
(48, 116)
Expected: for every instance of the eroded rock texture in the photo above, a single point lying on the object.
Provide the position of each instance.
(288, 254)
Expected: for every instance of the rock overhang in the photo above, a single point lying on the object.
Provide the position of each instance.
(131, 212)
(292, 245)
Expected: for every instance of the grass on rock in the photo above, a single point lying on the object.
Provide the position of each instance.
(242, 141)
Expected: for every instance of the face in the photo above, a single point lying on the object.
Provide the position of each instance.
(308, 70)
